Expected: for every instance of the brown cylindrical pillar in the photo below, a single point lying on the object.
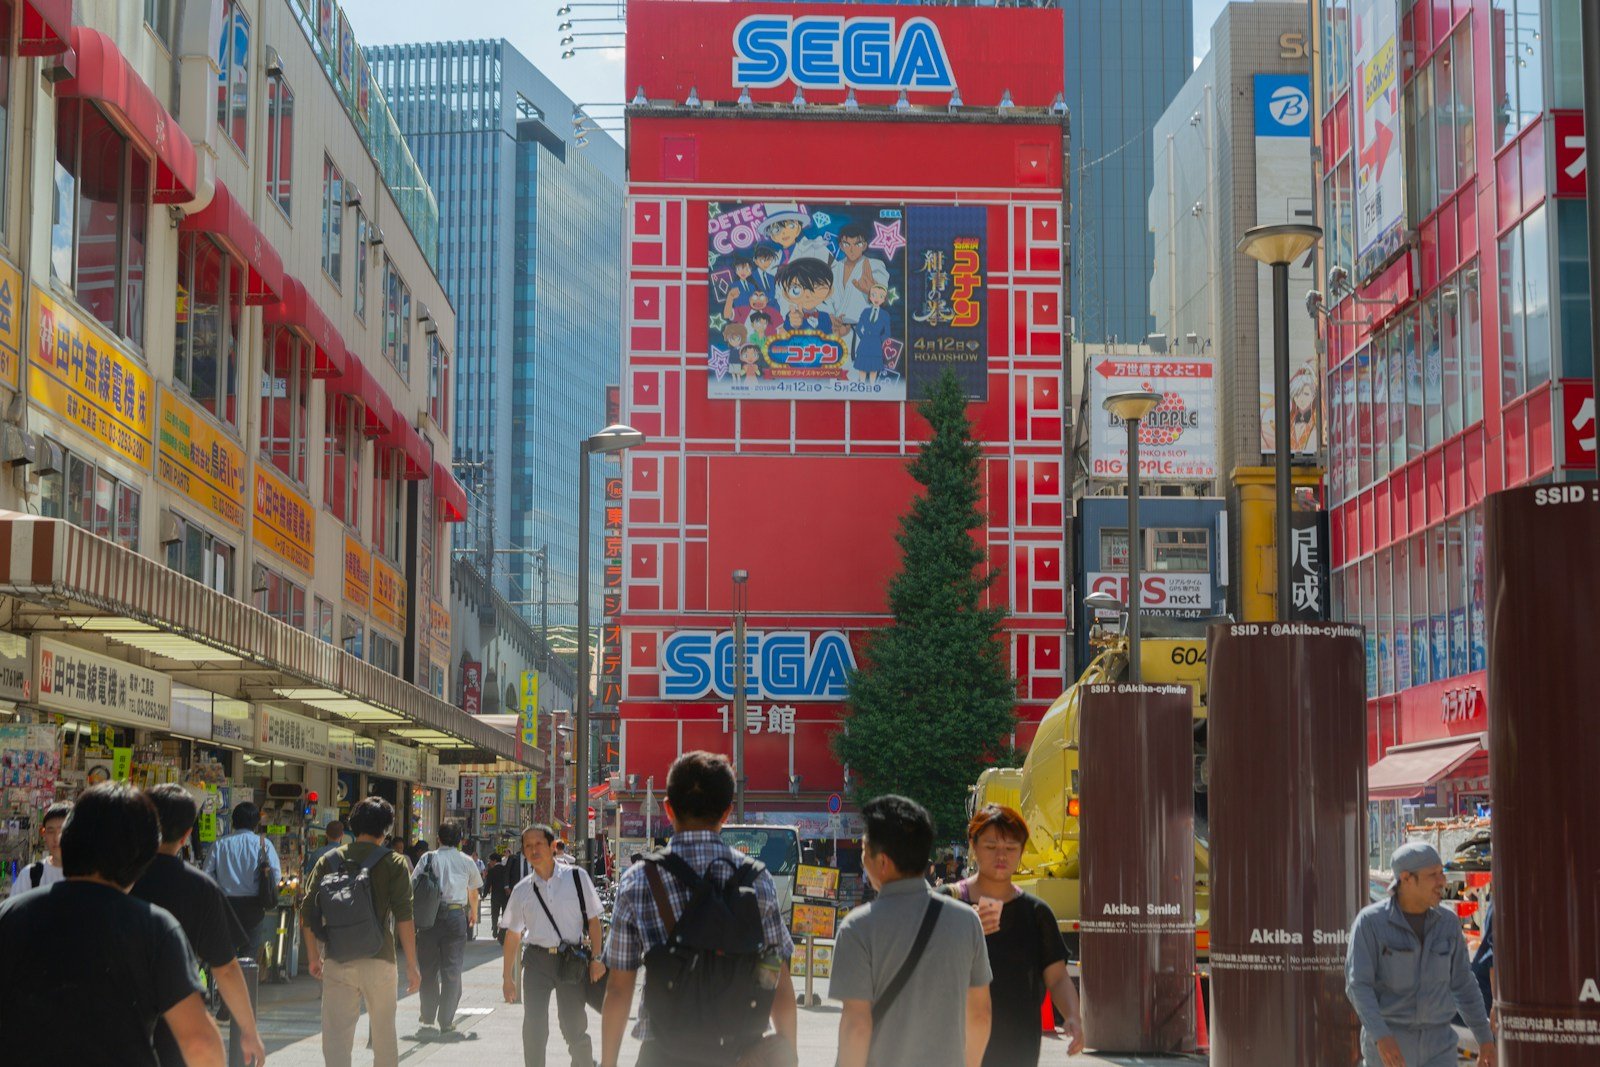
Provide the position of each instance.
(1136, 845)
(1288, 753)
(1543, 591)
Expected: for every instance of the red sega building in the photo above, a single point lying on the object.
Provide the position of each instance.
(778, 396)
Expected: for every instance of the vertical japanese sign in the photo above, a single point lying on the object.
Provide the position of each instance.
(1380, 167)
(11, 290)
(472, 687)
(949, 320)
(1308, 566)
(610, 629)
(528, 710)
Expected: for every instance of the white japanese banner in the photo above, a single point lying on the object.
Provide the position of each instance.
(284, 733)
(93, 686)
(438, 775)
(1178, 441)
(398, 761)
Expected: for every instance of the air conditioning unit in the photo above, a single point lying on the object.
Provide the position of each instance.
(171, 528)
(18, 447)
(52, 458)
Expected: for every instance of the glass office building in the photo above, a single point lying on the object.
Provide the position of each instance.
(530, 253)
(1126, 61)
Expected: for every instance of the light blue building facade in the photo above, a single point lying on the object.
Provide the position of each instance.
(530, 237)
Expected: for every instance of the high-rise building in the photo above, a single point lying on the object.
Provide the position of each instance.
(1125, 61)
(530, 253)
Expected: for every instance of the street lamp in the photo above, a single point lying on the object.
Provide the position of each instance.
(741, 601)
(614, 438)
(1277, 247)
(1131, 408)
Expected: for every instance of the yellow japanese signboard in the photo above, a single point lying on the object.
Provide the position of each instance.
(388, 596)
(528, 709)
(439, 618)
(199, 460)
(284, 520)
(11, 290)
(76, 373)
(357, 573)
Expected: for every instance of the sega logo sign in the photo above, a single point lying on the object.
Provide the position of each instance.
(781, 665)
(834, 52)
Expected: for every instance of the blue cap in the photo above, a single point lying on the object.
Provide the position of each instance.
(1415, 856)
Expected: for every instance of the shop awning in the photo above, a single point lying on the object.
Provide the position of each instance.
(105, 77)
(405, 437)
(600, 792)
(359, 385)
(226, 218)
(298, 310)
(452, 497)
(1406, 770)
(62, 575)
(46, 27)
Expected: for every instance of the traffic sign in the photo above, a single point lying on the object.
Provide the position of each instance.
(835, 803)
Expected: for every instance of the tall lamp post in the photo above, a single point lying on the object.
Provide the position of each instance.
(614, 438)
(741, 604)
(1131, 408)
(1277, 247)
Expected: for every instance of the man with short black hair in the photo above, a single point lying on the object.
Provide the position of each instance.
(346, 984)
(938, 1014)
(45, 872)
(699, 799)
(198, 904)
(335, 835)
(93, 969)
(441, 945)
(235, 861)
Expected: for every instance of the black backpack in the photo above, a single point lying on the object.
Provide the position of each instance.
(709, 987)
(350, 928)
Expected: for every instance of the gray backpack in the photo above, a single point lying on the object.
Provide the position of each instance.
(350, 926)
(426, 893)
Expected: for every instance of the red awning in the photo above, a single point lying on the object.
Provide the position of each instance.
(452, 498)
(226, 218)
(380, 409)
(299, 311)
(600, 792)
(46, 27)
(1406, 770)
(105, 77)
(406, 438)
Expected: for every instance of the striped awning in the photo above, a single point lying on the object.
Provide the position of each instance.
(50, 562)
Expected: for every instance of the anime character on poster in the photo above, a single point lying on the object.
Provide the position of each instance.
(1303, 400)
(872, 331)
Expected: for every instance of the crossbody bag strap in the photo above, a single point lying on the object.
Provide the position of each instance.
(583, 905)
(540, 896)
(930, 919)
(663, 902)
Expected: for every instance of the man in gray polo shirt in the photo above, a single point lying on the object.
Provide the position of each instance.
(940, 1015)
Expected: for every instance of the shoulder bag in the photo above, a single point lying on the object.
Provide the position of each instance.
(930, 919)
(266, 881)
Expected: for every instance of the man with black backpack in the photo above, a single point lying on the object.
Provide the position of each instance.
(911, 967)
(351, 895)
(703, 921)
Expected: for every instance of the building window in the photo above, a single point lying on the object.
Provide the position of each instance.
(233, 78)
(396, 320)
(1519, 76)
(388, 510)
(385, 654)
(280, 140)
(210, 302)
(285, 403)
(322, 620)
(1525, 306)
(355, 637)
(438, 383)
(363, 236)
(283, 600)
(158, 16)
(332, 221)
(92, 498)
(1439, 125)
(342, 457)
(99, 212)
(202, 556)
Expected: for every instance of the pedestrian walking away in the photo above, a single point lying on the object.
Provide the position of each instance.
(335, 838)
(1407, 972)
(196, 901)
(495, 882)
(1026, 953)
(89, 969)
(442, 937)
(46, 871)
(240, 862)
(549, 916)
(703, 921)
(911, 967)
(353, 894)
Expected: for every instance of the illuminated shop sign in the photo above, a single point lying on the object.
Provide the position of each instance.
(832, 52)
(781, 665)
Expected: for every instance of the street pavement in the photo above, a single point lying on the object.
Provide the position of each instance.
(291, 1026)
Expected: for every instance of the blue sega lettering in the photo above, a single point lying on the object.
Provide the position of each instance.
(782, 665)
(833, 52)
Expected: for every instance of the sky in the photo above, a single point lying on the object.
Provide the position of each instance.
(589, 77)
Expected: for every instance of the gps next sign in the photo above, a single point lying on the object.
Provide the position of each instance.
(831, 52)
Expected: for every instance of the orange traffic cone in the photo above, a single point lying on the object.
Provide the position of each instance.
(1047, 1016)
(1202, 1033)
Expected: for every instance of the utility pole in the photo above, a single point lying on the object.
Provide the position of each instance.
(740, 605)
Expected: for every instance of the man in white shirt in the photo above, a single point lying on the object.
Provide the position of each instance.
(440, 946)
(47, 871)
(547, 909)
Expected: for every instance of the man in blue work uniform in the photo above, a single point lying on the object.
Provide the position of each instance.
(1407, 973)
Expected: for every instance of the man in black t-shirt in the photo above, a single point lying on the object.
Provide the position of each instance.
(197, 902)
(113, 963)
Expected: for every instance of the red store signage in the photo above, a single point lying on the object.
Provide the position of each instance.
(1578, 425)
(1572, 162)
